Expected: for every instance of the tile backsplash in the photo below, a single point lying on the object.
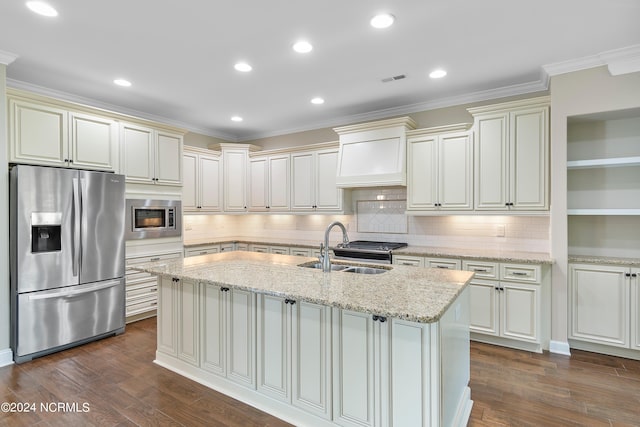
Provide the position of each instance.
(379, 215)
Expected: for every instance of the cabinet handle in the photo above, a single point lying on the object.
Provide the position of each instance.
(203, 253)
(406, 263)
(155, 259)
(442, 266)
(516, 273)
(480, 270)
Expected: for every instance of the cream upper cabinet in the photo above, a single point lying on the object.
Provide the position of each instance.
(512, 155)
(235, 158)
(45, 134)
(151, 156)
(202, 181)
(269, 178)
(439, 171)
(313, 181)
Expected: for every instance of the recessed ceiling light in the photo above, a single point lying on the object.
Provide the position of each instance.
(122, 82)
(317, 100)
(42, 8)
(243, 67)
(302, 47)
(383, 20)
(437, 74)
(236, 119)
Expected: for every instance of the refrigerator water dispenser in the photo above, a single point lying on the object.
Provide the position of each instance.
(46, 230)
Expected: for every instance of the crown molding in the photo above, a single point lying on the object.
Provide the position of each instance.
(619, 61)
(7, 58)
(89, 102)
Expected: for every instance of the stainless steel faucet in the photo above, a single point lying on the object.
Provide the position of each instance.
(325, 260)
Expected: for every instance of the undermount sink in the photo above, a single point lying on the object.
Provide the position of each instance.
(347, 268)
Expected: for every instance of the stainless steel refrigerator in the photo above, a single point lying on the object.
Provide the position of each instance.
(67, 258)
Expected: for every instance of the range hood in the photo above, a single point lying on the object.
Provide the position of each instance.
(373, 154)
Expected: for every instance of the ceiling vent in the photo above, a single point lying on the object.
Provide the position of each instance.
(394, 78)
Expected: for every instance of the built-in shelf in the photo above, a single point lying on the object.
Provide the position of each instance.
(596, 212)
(603, 163)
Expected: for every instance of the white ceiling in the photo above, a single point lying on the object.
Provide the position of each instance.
(180, 55)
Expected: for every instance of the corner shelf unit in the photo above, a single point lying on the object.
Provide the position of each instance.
(603, 167)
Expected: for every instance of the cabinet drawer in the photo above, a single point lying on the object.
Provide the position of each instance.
(227, 247)
(260, 248)
(482, 269)
(300, 252)
(203, 250)
(242, 247)
(520, 273)
(282, 250)
(143, 288)
(152, 258)
(131, 275)
(414, 261)
(448, 263)
(141, 307)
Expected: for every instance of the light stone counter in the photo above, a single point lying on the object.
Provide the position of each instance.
(596, 259)
(404, 292)
(477, 254)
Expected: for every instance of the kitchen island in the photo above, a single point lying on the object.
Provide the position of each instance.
(314, 348)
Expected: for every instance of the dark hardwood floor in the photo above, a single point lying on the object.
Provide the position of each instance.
(113, 382)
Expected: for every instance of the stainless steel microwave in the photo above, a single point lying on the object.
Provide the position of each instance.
(149, 219)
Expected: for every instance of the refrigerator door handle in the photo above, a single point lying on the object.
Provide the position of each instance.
(76, 228)
(74, 292)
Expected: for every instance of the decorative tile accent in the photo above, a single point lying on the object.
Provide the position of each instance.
(382, 216)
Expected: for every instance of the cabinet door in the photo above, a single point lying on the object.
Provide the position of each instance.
(94, 142)
(455, 172)
(353, 368)
(519, 308)
(138, 154)
(279, 187)
(235, 180)
(188, 322)
(303, 181)
(483, 307)
(635, 308)
(213, 315)
(210, 183)
(274, 347)
(491, 160)
(241, 337)
(190, 196)
(422, 185)
(328, 196)
(258, 184)
(599, 304)
(311, 357)
(529, 161)
(167, 316)
(38, 134)
(168, 155)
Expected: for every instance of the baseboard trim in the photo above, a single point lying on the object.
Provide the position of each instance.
(6, 357)
(559, 347)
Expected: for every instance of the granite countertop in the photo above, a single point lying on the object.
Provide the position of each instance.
(410, 293)
(478, 254)
(597, 259)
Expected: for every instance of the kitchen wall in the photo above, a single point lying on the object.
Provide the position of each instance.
(5, 351)
(379, 214)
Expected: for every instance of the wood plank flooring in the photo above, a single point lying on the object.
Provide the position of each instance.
(116, 378)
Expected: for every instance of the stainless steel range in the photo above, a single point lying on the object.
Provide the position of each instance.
(367, 251)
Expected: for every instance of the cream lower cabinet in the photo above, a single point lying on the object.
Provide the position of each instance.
(506, 302)
(294, 353)
(45, 134)
(604, 305)
(361, 369)
(228, 333)
(439, 171)
(178, 328)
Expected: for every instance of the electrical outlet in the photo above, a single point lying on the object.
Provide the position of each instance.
(500, 230)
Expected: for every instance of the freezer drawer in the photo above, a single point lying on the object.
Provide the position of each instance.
(60, 317)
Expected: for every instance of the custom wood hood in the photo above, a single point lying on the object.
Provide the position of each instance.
(373, 154)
